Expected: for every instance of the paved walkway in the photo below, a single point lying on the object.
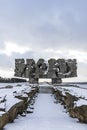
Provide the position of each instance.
(46, 116)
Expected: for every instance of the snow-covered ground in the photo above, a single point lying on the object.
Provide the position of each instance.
(79, 90)
(9, 95)
(47, 115)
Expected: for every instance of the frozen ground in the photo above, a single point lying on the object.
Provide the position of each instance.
(9, 95)
(79, 90)
(47, 115)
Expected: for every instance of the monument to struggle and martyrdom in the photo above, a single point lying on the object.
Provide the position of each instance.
(52, 69)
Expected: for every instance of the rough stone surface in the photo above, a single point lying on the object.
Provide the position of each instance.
(54, 69)
(17, 108)
(67, 100)
(80, 113)
(4, 119)
(56, 80)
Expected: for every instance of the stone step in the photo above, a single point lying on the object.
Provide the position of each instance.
(45, 89)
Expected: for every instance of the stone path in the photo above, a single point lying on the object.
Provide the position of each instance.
(47, 115)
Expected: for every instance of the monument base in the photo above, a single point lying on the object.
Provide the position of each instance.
(33, 80)
(56, 80)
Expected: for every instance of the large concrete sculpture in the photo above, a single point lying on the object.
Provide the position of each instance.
(54, 69)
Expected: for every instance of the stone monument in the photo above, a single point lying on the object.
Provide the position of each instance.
(54, 69)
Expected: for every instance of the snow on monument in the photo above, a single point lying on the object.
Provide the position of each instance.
(54, 69)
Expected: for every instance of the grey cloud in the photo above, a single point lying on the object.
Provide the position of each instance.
(6, 61)
(55, 26)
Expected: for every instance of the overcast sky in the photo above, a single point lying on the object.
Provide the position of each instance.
(43, 28)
